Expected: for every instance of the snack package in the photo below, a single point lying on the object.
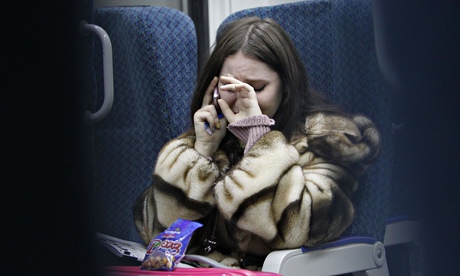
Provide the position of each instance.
(167, 249)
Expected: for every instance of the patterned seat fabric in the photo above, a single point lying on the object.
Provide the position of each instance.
(154, 60)
(336, 42)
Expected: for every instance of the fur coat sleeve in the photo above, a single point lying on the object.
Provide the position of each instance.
(286, 193)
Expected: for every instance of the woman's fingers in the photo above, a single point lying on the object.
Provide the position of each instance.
(246, 103)
(207, 99)
(228, 113)
(208, 119)
(238, 86)
(206, 114)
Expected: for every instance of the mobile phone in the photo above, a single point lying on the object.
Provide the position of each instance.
(215, 97)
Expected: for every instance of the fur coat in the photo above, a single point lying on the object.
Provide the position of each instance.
(281, 194)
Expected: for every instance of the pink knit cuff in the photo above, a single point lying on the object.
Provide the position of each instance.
(250, 129)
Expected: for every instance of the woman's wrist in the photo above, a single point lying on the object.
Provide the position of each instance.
(251, 128)
(205, 149)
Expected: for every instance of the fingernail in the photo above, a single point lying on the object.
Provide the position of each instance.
(218, 125)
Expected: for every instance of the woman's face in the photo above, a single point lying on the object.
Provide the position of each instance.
(260, 76)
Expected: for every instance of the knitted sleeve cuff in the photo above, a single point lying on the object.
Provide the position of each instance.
(250, 129)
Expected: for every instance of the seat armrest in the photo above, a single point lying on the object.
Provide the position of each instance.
(342, 256)
(402, 230)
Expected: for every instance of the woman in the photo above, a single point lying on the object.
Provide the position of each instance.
(280, 168)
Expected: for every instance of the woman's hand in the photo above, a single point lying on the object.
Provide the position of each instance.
(246, 100)
(206, 144)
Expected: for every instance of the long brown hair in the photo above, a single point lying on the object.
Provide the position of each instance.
(265, 40)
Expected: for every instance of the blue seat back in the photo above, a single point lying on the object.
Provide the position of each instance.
(154, 67)
(335, 40)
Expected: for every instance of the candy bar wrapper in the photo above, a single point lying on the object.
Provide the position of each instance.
(167, 249)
